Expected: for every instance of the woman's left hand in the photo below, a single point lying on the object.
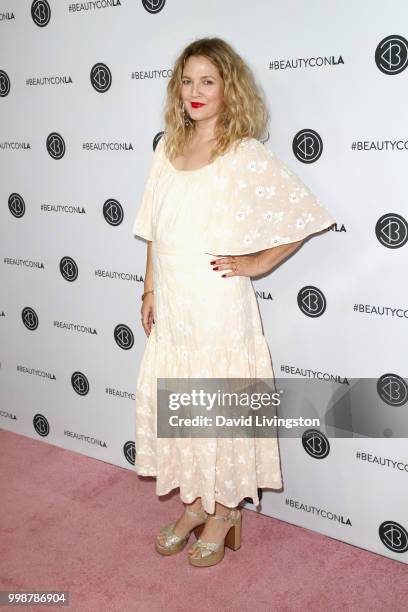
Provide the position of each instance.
(239, 265)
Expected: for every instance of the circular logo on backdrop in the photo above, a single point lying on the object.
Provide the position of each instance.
(153, 6)
(68, 269)
(55, 145)
(315, 443)
(4, 84)
(156, 139)
(129, 452)
(101, 77)
(311, 301)
(30, 318)
(16, 205)
(40, 12)
(113, 212)
(250, 500)
(41, 425)
(392, 230)
(80, 383)
(391, 54)
(394, 536)
(123, 336)
(392, 389)
(307, 146)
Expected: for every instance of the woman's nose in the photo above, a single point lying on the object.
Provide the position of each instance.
(196, 89)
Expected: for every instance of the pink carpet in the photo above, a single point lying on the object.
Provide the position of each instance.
(73, 523)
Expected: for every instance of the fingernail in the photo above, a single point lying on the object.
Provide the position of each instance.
(215, 268)
(222, 274)
(211, 262)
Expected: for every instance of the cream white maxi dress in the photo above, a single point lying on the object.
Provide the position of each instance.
(208, 326)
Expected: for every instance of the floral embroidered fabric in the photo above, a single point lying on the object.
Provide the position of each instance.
(208, 326)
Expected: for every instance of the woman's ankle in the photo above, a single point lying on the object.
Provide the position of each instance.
(221, 510)
(196, 505)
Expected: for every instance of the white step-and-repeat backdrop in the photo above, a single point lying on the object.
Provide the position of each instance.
(82, 88)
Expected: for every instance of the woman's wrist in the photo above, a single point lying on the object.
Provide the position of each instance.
(146, 292)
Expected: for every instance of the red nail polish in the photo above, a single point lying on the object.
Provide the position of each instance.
(222, 274)
(212, 262)
(216, 268)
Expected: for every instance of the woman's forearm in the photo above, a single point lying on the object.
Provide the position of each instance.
(270, 258)
(148, 279)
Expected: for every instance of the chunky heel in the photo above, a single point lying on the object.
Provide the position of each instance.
(233, 537)
(198, 530)
(212, 553)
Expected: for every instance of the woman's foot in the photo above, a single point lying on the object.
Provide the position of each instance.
(214, 530)
(186, 522)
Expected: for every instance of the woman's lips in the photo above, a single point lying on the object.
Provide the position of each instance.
(197, 104)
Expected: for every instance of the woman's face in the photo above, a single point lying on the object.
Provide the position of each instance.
(202, 88)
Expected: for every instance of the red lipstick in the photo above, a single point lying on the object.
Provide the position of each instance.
(197, 104)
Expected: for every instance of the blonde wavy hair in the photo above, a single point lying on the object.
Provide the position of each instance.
(243, 113)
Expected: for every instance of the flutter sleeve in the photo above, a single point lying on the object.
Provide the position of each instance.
(143, 222)
(263, 204)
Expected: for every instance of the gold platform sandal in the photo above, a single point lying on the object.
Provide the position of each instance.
(174, 543)
(212, 553)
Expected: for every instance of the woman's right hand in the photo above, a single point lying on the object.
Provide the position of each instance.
(147, 312)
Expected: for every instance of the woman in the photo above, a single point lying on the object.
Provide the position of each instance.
(218, 208)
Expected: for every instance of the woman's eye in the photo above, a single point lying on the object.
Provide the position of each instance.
(207, 82)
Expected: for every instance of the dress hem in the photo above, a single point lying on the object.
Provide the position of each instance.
(216, 499)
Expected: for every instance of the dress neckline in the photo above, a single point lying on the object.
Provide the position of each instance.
(189, 171)
(195, 170)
